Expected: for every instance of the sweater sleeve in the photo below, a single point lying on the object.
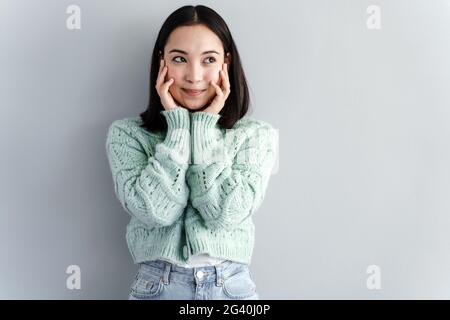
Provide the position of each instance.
(227, 187)
(151, 188)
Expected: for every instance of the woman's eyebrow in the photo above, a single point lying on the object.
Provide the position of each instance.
(184, 52)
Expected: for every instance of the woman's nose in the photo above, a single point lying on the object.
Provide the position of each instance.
(194, 73)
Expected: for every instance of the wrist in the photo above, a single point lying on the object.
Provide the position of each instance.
(178, 128)
(206, 146)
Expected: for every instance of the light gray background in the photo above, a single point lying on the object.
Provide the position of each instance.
(363, 118)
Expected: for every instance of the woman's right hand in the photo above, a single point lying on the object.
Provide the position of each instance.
(163, 87)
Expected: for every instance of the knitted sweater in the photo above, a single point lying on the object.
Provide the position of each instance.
(193, 189)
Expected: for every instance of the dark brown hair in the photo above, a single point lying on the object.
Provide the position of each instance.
(237, 103)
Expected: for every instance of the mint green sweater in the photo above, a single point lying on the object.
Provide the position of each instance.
(193, 189)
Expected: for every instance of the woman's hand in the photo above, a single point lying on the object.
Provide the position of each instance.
(163, 87)
(222, 92)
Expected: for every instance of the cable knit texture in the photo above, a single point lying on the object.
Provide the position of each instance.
(193, 189)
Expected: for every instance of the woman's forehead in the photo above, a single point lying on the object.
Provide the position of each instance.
(194, 40)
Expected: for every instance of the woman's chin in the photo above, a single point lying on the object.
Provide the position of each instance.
(196, 107)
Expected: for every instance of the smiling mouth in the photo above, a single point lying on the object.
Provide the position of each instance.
(193, 93)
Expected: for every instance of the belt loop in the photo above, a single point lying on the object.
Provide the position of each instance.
(167, 267)
(219, 275)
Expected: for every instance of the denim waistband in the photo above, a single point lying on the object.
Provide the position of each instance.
(206, 274)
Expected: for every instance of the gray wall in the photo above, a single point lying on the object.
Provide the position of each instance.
(363, 117)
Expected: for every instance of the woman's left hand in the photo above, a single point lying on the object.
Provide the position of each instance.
(222, 92)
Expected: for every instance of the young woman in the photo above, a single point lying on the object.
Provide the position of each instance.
(193, 168)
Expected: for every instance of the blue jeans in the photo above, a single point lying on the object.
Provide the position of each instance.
(161, 280)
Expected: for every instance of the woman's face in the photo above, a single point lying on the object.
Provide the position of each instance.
(194, 56)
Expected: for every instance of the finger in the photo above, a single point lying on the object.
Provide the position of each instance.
(161, 66)
(167, 85)
(158, 79)
(228, 78)
(222, 77)
(225, 69)
(161, 77)
(226, 87)
(225, 81)
(217, 88)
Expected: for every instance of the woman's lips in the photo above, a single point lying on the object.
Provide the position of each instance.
(193, 93)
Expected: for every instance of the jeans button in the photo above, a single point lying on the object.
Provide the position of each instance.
(200, 274)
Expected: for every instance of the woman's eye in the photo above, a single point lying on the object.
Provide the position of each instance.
(208, 60)
(174, 59)
(213, 59)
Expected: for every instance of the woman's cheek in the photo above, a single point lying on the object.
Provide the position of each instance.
(215, 76)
